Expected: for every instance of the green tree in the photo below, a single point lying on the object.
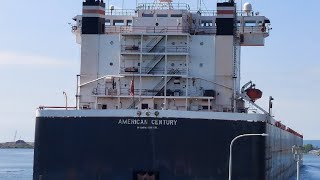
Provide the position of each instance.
(307, 148)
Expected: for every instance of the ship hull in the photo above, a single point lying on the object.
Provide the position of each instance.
(117, 148)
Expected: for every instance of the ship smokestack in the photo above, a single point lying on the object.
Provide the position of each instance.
(93, 17)
(226, 14)
(227, 54)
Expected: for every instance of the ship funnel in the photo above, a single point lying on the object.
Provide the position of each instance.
(93, 17)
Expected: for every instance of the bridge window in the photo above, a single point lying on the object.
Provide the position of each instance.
(147, 15)
(162, 15)
(176, 15)
(250, 23)
(118, 22)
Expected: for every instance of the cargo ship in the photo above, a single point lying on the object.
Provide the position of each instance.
(159, 97)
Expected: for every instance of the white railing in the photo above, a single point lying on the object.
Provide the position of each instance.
(163, 6)
(121, 12)
(181, 29)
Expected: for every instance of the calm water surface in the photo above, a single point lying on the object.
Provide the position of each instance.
(16, 164)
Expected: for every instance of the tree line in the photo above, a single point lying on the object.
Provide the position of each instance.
(309, 147)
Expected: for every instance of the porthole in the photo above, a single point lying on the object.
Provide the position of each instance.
(111, 64)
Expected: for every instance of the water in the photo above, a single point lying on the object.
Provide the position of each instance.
(311, 168)
(16, 164)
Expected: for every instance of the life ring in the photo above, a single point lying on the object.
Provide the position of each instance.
(74, 28)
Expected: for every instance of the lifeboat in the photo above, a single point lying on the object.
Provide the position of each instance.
(254, 94)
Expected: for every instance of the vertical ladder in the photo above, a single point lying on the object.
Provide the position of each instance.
(235, 63)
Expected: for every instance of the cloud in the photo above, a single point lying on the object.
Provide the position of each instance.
(10, 58)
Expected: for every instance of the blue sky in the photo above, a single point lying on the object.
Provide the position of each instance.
(39, 59)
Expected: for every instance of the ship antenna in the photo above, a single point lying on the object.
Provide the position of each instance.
(199, 5)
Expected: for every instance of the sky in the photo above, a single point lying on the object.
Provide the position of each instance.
(39, 59)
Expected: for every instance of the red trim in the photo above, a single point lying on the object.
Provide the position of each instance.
(283, 127)
(225, 12)
(93, 11)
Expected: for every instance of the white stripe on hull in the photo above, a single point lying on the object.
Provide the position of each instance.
(162, 114)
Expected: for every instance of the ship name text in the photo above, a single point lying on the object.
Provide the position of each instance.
(156, 122)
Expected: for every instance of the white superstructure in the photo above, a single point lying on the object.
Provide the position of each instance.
(164, 56)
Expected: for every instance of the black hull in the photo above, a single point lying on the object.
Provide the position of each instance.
(108, 148)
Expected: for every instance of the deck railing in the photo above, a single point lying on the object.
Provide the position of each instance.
(179, 29)
(163, 6)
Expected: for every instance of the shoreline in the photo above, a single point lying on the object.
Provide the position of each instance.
(20, 144)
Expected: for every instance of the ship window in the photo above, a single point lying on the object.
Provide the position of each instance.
(111, 64)
(85, 107)
(108, 23)
(118, 22)
(205, 107)
(129, 23)
(162, 15)
(201, 64)
(144, 106)
(176, 81)
(104, 106)
(206, 23)
(250, 23)
(147, 15)
(176, 15)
